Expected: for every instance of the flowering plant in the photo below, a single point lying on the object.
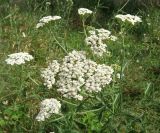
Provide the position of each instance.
(76, 73)
(19, 58)
(133, 19)
(46, 20)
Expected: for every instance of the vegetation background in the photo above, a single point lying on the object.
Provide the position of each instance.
(135, 98)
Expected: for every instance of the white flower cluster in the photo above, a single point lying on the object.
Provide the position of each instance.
(96, 40)
(19, 58)
(49, 74)
(71, 76)
(47, 19)
(100, 78)
(47, 108)
(48, 3)
(84, 11)
(77, 72)
(113, 38)
(130, 18)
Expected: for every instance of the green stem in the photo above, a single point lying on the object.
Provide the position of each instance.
(95, 11)
(21, 77)
(84, 29)
(67, 102)
(123, 6)
(147, 91)
(59, 44)
(123, 53)
(115, 102)
(58, 119)
(21, 82)
(33, 80)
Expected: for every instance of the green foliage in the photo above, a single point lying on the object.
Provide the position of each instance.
(130, 105)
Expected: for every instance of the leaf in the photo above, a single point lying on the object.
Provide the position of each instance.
(2, 123)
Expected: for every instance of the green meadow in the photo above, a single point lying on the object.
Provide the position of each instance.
(130, 103)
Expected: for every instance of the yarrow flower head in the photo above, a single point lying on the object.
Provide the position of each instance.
(76, 73)
(113, 38)
(71, 76)
(84, 11)
(40, 25)
(46, 20)
(47, 108)
(129, 18)
(99, 79)
(49, 18)
(19, 58)
(48, 3)
(96, 40)
(49, 74)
